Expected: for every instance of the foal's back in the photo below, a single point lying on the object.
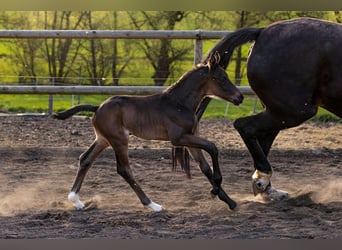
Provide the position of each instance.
(145, 117)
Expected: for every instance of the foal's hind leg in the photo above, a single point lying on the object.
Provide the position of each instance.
(86, 160)
(206, 170)
(124, 170)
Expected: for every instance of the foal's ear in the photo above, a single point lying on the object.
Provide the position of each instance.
(214, 60)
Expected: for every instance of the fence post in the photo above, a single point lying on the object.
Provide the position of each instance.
(50, 108)
(198, 51)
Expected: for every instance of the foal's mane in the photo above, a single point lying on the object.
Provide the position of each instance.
(184, 78)
(211, 63)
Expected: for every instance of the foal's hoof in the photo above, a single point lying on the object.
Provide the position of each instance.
(232, 205)
(155, 207)
(272, 194)
(73, 197)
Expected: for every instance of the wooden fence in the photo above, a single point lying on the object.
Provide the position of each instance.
(197, 35)
(98, 90)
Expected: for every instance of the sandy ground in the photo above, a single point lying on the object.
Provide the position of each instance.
(39, 158)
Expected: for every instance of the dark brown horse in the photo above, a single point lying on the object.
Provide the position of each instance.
(294, 67)
(169, 116)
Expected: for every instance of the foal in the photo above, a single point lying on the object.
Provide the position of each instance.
(169, 116)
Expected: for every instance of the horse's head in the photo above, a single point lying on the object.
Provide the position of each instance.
(219, 84)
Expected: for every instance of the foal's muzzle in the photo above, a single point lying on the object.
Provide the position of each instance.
(237, 99)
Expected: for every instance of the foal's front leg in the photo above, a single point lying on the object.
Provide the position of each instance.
(192, 141)
(206, 170)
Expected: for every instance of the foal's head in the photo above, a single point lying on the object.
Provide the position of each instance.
(219, 84)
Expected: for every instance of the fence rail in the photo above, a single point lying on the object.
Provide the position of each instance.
(114, 34)
(197, 35)
(102, 90)
(98, 90)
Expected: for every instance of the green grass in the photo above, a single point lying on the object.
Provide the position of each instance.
(220, 108)
(216, 108)
(39, 103)
(250, 105)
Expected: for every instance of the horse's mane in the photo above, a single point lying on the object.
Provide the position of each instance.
(225, 47)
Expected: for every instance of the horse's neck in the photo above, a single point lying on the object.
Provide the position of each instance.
(189, 91)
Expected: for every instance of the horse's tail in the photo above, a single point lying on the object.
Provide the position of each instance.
(226, 46)
(70, 112)
(225, 49)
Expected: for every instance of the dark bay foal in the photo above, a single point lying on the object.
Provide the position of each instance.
(169, 116)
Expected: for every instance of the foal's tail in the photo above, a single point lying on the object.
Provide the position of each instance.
(226, 46)
(70, 112)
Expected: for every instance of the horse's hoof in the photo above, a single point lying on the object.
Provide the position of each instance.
(261, 182)
(258, 187)
(272, 194)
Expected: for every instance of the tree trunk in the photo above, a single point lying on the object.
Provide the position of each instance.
(238, 59)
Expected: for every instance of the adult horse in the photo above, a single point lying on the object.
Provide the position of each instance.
(294, 67)
(168, 116)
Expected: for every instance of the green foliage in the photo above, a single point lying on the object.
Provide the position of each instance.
(26, 60)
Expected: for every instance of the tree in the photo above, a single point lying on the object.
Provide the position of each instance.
(94, 55)
(243, 19)
(338, 16)
(163, 53)
(119, 62)
(61, 53)
(24, 53)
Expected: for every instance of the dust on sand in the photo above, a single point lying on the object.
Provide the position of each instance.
(39, 158)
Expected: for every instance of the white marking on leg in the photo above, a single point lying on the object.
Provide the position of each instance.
(73, 197)
(272, 194)
(155, 207)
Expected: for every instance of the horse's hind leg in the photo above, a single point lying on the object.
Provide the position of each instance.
(206, 170)
(124, 170)
(86, 160)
